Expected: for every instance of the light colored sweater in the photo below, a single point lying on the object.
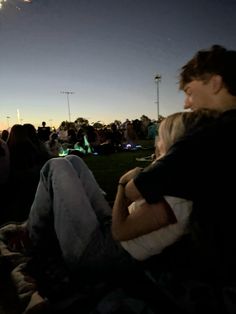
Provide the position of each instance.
(155, 242)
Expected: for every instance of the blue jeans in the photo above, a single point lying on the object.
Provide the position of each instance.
(70, 210)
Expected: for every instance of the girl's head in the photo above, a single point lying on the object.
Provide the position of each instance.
(179, 124)
(170, 129)
(17, 135)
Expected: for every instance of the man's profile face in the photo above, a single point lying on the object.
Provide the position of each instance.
(198, 94)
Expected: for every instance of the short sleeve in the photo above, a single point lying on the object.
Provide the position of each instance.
(175, 174)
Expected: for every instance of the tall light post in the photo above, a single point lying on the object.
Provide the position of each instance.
(68, 102)
(157, 80)
(8, 123)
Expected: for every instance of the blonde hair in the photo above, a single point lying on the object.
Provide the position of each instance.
(171, 128)
(176, 125)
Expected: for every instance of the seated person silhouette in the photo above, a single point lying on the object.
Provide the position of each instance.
(44, 132)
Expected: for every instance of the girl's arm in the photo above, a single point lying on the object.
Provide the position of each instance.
(146, 218)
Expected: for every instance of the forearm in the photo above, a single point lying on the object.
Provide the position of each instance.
(119, 212)
(143, 219)
(131, 192)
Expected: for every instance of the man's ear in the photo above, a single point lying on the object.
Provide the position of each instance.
(217, 83)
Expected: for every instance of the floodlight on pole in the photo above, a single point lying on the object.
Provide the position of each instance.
(157, 80)
(68, 102)
(3, 2)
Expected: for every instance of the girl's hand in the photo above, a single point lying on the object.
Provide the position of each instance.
(130, 175)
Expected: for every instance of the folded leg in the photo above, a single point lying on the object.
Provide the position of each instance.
(64, 208)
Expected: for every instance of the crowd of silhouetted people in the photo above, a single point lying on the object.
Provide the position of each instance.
(24, 150)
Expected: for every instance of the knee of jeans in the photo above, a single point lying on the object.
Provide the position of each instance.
(79, 165)
(72, 158)
(51, 164)
(76, 161)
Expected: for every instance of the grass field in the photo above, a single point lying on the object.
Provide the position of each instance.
(107, 169)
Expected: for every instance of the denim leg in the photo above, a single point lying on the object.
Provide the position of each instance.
(91, 187)
(62, 206)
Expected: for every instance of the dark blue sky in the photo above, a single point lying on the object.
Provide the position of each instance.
(106, 51)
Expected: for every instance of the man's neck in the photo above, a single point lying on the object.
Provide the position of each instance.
(226, 102)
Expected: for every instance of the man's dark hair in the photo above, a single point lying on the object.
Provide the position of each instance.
(205, 63)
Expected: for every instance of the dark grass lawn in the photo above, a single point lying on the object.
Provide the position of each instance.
(107, 169)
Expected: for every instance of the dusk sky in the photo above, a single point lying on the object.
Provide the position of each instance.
(105, 51)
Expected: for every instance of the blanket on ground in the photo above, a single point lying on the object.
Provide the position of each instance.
(19, 292)
(49, 290)
(150, 291)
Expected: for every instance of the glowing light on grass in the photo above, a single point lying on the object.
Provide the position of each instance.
(87, 145)
(63, 152)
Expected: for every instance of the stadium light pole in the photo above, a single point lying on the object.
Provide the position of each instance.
(68, 102)
(8, 123)
(157, 80)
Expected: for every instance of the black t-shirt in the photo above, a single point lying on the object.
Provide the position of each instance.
(202, 167)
